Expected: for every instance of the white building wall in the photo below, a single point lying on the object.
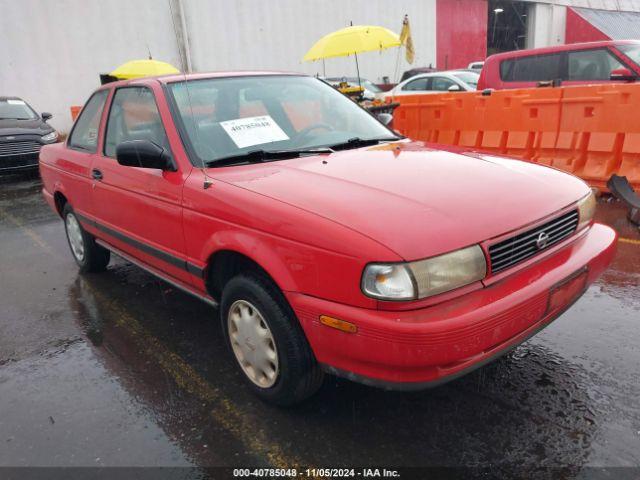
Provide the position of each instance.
(51, 53)
(546, 24)
(249, 34)
(547, 18)
(622, 5)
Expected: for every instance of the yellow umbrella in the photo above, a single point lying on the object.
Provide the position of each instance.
(352, 40)
(143, 68)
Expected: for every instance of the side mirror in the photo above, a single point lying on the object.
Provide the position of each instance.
(454, 88)
(144, 154)
(46, 116)
(623, 75)
(385, 118)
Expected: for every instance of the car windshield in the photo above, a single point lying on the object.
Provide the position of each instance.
(631, 51)
(15, 109)
(470, 78)
(227, 117)
(369, 85)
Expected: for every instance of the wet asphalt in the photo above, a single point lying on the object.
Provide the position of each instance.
(120, 369)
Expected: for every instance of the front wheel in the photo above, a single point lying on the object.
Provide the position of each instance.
(89, 256)
(267, 341)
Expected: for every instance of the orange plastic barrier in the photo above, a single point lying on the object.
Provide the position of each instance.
(75, 111)
(591, 131)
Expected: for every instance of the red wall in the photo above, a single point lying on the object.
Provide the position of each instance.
(461, 32)
(579, 30)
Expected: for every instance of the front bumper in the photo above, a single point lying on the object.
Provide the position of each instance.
(420, 348)
(17, 163)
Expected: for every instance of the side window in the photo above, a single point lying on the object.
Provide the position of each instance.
(419, 84)
(441, 84)
(506, 70)
(591, 64)
(536, 68)
(85, 131)
(133, 116)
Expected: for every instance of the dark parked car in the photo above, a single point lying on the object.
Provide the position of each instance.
(22, 133)
(417, 71)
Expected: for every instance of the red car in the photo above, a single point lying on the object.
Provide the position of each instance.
(329, 243)
(573, 64)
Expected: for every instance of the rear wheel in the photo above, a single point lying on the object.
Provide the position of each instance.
(89, 256)
(267, 341)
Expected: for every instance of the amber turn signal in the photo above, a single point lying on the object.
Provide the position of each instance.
(338, 324)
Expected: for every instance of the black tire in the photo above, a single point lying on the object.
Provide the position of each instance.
(299, 375)
(95, 258)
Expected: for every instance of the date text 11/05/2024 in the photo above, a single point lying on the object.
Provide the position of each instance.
(316, 473)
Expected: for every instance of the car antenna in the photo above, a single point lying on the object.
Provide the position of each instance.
(207, 181)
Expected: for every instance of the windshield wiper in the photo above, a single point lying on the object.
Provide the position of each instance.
(357, 142)
(260, 156)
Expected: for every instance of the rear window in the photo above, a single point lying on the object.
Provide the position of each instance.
(536, 68)
(470, 78)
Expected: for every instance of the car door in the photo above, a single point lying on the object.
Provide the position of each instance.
(139, 209)
(77, 159)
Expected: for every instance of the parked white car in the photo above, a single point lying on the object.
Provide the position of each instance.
(477, 66)
(436, 82)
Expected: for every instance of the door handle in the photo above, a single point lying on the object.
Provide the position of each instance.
(96, 174)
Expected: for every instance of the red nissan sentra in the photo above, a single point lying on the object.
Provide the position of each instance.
(330, 243)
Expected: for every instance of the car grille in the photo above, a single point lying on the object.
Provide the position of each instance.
(525, 245)
(24, 147)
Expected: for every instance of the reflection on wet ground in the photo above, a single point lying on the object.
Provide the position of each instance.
(121, 369)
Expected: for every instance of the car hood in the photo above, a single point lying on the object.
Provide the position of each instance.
(415, 200)
(23, 127)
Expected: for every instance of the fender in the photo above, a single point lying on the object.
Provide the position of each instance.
(51, 184)
(294, 266)
(258, 250)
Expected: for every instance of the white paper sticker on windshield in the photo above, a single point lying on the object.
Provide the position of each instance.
(249, 131)
(12, 101)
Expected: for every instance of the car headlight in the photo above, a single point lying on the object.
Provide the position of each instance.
(424, 278)
(586, 210)
(50, 137)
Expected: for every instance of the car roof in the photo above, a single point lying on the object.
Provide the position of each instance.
(440, 73)
(243, 73)
(348, 79)
(10, 98)
(561, 48)
(175, 77)
(421, 69)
